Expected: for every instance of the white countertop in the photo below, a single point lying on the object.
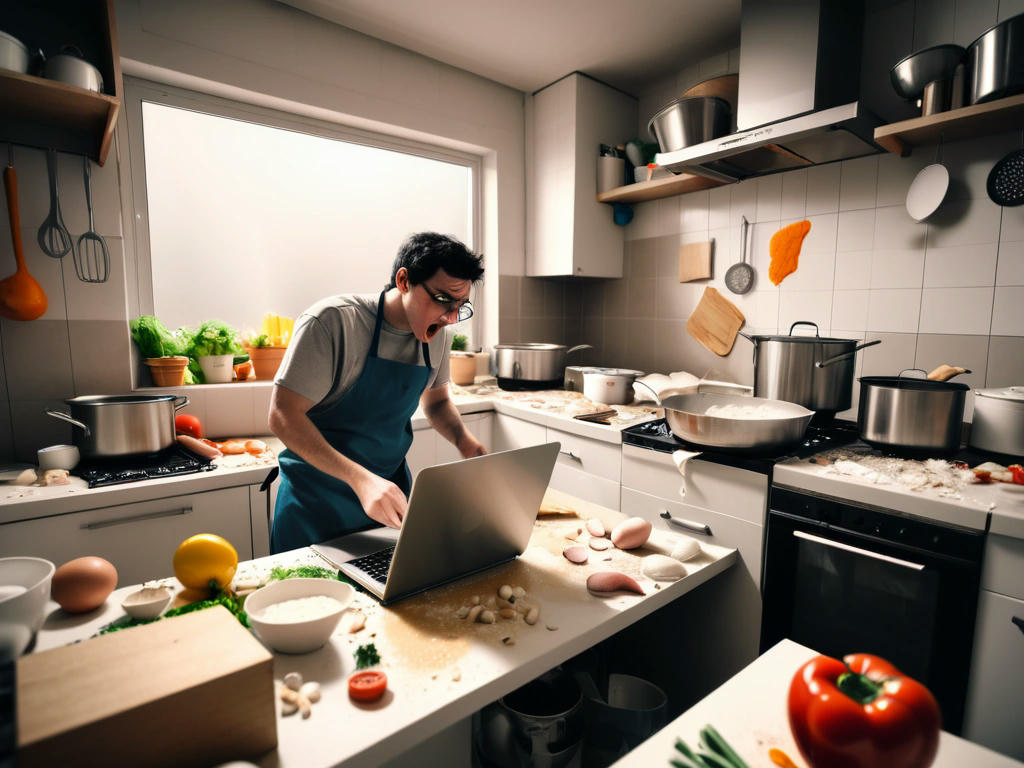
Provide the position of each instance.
(441, 669)
(749, 710)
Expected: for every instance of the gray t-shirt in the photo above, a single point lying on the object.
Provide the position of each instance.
(330, 343)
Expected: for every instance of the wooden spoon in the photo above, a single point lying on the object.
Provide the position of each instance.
(21, 297)
(945, 372)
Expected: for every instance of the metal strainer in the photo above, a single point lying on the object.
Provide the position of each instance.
(1006, 180)
(739, 278)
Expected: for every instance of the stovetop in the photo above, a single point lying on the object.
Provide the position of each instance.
(131, 469)
(657, 436)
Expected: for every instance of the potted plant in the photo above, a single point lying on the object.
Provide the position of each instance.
(164, 351)
(265, 356)
(462, 364)
(214, 345)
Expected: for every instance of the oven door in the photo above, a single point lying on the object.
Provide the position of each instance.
(841, 591)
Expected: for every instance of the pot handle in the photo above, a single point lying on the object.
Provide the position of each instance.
(845, 355)
(67, 417)
(921, 370)
(649, 389)
(805, 322)
(517, 370)
(184, 401)
(577, 348)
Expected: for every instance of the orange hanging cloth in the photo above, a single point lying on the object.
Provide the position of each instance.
(785, 250)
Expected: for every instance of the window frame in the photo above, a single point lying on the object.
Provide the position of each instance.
(137, 90)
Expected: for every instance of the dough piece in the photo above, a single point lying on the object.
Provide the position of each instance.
(663, 568)
(686, 549)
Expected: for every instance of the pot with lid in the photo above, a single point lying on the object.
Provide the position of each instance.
(531, 365)
(998, 423)
(813, 371)
(911, 416)
(121, 425)
(611, 386)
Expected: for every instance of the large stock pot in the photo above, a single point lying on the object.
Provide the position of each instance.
(532, 365)
(121, 425)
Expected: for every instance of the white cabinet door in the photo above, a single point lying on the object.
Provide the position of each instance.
(139, 539)
(423, 451)
(587, 468)
(479, 425)
(995, 692)
(510, 432)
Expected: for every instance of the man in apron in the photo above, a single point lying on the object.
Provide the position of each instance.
(355, 371)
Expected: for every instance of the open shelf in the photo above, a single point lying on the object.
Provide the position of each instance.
(977, 120)
(657, 188)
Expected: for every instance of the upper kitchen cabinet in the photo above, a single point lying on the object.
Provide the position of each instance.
(39, 112)
(568, 231)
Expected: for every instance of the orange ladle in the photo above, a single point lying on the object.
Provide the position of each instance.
(21, 297)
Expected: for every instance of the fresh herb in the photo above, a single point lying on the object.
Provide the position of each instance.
(263, 340)
(366, 656)
(304, 572)
(713, 752)
(459, 342)
(154, 340)
(214, 338)
(228, 600)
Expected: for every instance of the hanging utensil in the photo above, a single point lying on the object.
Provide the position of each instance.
(740, 277)
(1005, 183)
(21, 297)
(927, 191)
(92, 259)
(54, 238)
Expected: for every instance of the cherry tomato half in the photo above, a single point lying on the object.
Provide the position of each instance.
(187, 424)
(368, 685)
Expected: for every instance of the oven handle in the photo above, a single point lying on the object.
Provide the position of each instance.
(687, 525)
(858, 550)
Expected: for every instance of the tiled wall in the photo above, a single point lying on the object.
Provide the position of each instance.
(947, 290)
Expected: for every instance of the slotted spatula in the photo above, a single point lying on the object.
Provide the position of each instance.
(92, 259)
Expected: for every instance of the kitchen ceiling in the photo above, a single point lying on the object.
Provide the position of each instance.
(527, 44)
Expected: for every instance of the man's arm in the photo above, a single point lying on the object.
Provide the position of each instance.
(382, 500)
(440, 412)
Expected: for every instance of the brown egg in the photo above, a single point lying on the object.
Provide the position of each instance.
(83, 584)
(631, 533)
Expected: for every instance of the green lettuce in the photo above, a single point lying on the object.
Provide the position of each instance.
(214, 338)
(154, 340)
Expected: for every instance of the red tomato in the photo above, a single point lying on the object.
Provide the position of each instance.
(368, 685)
(187, 424)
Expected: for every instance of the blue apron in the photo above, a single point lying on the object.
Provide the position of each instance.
(369, 425)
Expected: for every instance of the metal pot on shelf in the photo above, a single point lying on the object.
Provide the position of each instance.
(813, 371)
(108, 426)
(910, 415)
(532, 365)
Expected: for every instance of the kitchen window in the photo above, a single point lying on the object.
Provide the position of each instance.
(242, 210)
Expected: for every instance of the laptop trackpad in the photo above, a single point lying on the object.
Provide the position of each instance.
(354, 545)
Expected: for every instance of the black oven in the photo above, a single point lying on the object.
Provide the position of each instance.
(844, 578)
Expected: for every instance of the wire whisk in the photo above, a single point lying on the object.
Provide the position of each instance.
(92, 259)
(54, 238)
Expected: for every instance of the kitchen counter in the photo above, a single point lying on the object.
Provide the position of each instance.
(442, 669)
(749, 710)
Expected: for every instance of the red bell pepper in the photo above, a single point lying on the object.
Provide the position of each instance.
(1017, 471)
(862, 712)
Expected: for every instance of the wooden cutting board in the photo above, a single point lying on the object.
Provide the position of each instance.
(715, 322)
(695, 261)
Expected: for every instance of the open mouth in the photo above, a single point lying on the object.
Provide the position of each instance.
(432, 330)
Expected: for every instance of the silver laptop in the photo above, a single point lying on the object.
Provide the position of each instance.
(462, 518)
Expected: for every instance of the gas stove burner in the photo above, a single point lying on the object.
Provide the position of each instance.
(131, 469)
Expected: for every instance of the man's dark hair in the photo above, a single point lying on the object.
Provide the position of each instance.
(426, 252)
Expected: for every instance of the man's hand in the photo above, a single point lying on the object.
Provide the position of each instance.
(469, 446)
(382, 500)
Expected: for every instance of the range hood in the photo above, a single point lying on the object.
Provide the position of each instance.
(800, 97)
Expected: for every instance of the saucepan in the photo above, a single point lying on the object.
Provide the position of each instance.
(735, 422)
(121, 425)
(909, 415)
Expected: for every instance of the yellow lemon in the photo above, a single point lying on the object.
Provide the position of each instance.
(203, 558)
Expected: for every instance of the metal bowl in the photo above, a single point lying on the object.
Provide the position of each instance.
(688, 419)
(997, 61)
(927, 74)
(685, 122)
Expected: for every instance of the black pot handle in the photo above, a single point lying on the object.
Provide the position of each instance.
(804, 322)
(844, 355)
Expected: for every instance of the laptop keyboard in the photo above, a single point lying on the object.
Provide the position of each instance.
(376, 565)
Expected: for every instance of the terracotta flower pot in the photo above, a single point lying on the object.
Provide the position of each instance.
(265, 361)
(167, 371)
(462, 366)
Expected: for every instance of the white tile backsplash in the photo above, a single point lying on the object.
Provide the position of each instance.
(793, 203)
(815, 272)
(894, 310)
(964, 222)
(850, 310)
(769, 198)
(815, 306)
(853, 270)
(956, 310)
(823, 189)
(1012, 226)
(960, 265)
(895, 174)
(1008, 311)
(719, 209)
(1010, 270)
(858, 184)
(693, 212)
(897, 268)
(894, 229)
(823, 234)
(856, 231)
(743, 202)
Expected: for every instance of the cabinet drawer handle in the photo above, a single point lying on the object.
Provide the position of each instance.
(1019, 622)
(572, 455)
(687, 525)
(136, 518)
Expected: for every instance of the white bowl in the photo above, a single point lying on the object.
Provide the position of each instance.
(24, 592)
(58, 457)
(147, 603)
(301, 635)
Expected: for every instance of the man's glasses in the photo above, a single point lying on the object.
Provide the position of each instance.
(464, 308)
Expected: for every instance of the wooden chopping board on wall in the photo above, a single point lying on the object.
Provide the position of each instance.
(715, 322)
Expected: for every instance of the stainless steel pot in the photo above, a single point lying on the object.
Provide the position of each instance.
(688, 419)
(910, 415)
(69, 67)
(531, 365)
(685, 122)
(121, 425)
(813, 371)
(998, 423)
(997, 61)
(13, 54)
(611, 386)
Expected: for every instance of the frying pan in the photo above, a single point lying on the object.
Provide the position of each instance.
(21, 297)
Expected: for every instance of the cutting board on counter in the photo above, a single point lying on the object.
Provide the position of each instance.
(715, 322)
(196, 689)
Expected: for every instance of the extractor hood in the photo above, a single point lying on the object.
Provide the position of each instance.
(800, 97)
